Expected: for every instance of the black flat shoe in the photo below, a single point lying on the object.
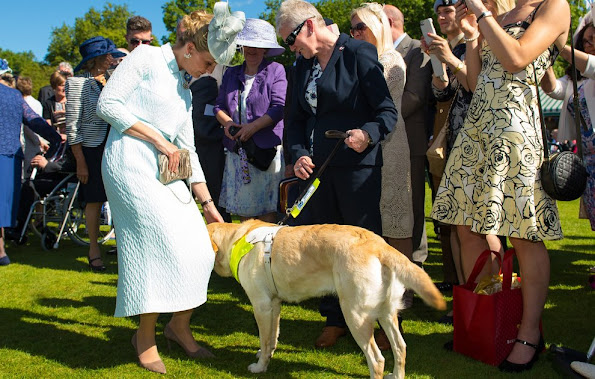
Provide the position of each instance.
(444, 286)
(446, 319)
(507, 366)
(96, 268)
(449, 345)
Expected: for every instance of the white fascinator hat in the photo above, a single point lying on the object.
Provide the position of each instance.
(223, 30)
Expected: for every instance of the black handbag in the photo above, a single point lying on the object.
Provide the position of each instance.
(258, 157)
(563, 174)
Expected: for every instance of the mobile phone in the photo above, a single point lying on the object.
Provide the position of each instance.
(233, 130)
(427, 26)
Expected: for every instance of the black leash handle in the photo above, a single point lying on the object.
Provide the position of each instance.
(334, 134)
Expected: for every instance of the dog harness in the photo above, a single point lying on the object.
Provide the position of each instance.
(244, 245)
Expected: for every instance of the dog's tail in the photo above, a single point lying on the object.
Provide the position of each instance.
(414, 277)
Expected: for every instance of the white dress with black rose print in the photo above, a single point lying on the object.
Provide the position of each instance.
(491, 181)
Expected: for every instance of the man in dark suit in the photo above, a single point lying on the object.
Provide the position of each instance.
(414, 108)
(208, 135)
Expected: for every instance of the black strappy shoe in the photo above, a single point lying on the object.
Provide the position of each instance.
(507, 366)
(96, 268)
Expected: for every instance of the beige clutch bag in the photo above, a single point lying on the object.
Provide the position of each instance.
(184, 168)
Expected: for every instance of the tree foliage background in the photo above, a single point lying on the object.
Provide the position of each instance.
(110, 22)
(174, 10)
(24, 64)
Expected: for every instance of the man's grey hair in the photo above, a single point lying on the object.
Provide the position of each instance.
(65, 67)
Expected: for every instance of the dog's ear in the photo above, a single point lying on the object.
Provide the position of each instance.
(211, 228)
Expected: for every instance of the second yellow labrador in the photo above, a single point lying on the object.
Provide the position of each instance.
(367, 274)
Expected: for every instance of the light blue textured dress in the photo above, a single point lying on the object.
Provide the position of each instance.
(165, 256)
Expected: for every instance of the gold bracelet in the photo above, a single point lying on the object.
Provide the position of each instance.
(458, 68)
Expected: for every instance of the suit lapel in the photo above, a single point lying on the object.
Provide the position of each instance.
(302, 83)
(404, 46)
(329, 72)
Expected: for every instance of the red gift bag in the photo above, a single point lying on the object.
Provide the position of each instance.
(486, 326)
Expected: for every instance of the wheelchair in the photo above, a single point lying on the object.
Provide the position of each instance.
(61, 214)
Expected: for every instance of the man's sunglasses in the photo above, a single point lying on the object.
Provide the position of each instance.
(359, 27)
(290, 40)
(136, 41)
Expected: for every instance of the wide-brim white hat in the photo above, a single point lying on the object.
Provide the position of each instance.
(261, 34)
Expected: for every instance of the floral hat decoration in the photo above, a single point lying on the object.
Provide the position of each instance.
(4, 68)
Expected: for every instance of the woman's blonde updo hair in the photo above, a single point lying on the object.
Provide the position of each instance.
(194, 27)
(291, 13)
(375, 19)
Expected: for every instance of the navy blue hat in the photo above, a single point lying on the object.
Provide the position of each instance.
(96, 47)
(446, 3)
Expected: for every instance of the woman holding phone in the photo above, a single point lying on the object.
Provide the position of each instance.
(491, 184)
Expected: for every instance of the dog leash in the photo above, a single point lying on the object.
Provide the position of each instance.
(307, 193)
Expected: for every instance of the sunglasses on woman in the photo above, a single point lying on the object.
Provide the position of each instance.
(136, 41)
(290, 40)
(359, 27)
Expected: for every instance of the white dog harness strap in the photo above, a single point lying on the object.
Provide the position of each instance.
(266, 235)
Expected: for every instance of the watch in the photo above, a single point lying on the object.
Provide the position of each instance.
(484, 14)
(370, 142)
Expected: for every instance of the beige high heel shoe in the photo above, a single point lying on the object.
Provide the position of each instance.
(169, 335)
(156, 366)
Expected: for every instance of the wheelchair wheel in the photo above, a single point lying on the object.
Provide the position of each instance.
(48, 215)
(48, 239)
(36, 223)
(77, 227)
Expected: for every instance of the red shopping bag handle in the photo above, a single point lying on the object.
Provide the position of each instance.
(505, 267)
(480, 262)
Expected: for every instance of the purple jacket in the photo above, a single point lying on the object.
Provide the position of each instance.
(267, 96)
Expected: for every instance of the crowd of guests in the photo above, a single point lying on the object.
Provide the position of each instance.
(124, 108)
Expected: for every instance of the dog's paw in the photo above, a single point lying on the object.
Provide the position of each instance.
(391, 376)
(255, 368)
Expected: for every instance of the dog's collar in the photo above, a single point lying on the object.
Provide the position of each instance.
(238, 250)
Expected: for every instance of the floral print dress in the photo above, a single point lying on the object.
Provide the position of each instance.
(491, 181)
(588, 140)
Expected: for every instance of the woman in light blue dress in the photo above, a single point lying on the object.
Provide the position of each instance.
(165, 256)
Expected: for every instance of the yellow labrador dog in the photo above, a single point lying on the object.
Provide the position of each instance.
(367, 274)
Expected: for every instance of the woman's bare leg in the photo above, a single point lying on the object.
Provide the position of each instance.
(145, 338)
(92, 214)
(534, 263)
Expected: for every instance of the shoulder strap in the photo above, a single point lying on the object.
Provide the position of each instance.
(578, 117)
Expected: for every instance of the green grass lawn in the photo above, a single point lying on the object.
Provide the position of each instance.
(56, 320)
